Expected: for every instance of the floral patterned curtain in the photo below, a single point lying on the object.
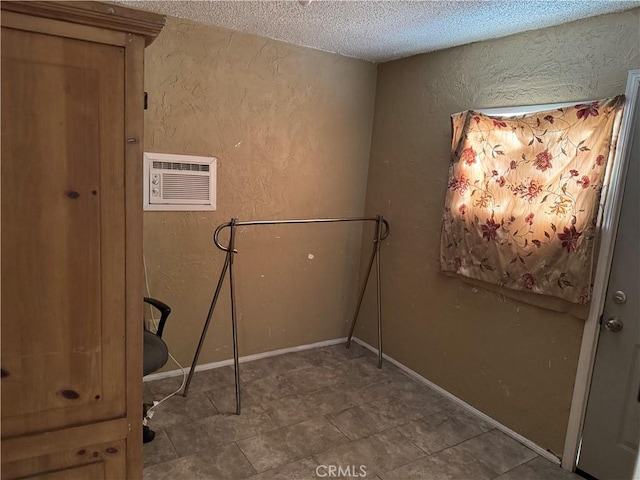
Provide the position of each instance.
(523, 197)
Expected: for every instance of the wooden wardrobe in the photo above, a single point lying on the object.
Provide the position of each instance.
(71, 245)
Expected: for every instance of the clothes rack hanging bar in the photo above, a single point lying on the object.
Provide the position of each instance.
(381, 232)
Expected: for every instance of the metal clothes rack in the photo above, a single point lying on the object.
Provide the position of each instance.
(381, 232)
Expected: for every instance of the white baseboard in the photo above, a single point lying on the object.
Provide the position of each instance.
(246, 358)
(516, 436)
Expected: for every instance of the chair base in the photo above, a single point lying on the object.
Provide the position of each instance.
(147, 434)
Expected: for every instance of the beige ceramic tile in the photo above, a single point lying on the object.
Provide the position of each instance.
(223, 463)
(497, 451)
(272, 449)
(355, 423)
(443, 429)
(297, 408)
(539, 469)
(316, 378)
(270, 366)
(373, 455)
(220, 429)
(301, 470)
(224, 398)
(159, 450)
(449, 464)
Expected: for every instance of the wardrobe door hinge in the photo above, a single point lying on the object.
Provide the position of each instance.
(146, 100)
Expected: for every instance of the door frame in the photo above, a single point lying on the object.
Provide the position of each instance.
(608, 232)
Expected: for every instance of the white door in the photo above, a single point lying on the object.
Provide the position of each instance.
(612, 422)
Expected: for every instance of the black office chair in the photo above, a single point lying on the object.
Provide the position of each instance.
(155, 354)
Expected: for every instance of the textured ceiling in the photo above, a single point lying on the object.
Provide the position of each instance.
(379, 31)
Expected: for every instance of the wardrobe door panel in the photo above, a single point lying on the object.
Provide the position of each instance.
(63, 235)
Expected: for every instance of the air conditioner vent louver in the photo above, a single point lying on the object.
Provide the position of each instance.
(185, 187)
(179, 182)
(194, 167)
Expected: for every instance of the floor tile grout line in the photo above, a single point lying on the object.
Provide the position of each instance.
(524, 463)
(174, 451)
(255, 470)
(295, 458)
(211, 401)
(337, 384)
(497, 474)
(178, 458)
(397, 427)
(307, 394)
(312, 455)
(163, 462)
(278, 427)
(471, 438)
(304, 393)
(235, 440)
(217, 447)
(425, 455)
(365, 413)
(481, 461)
(338, 428)
(286, 464)
(270, 418)
(421, 457)
(171, 442)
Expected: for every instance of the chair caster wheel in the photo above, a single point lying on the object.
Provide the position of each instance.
(147, 434)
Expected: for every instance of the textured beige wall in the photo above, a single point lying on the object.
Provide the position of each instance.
(512, 361)
(291, 128)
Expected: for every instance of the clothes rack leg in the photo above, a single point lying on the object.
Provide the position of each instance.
(234, 323)
(203, 335)
(374, 253)
(378, 292)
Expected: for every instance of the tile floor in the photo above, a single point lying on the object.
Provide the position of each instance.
(306, 411)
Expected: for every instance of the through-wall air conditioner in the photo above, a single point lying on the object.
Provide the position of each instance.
(179, 182)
